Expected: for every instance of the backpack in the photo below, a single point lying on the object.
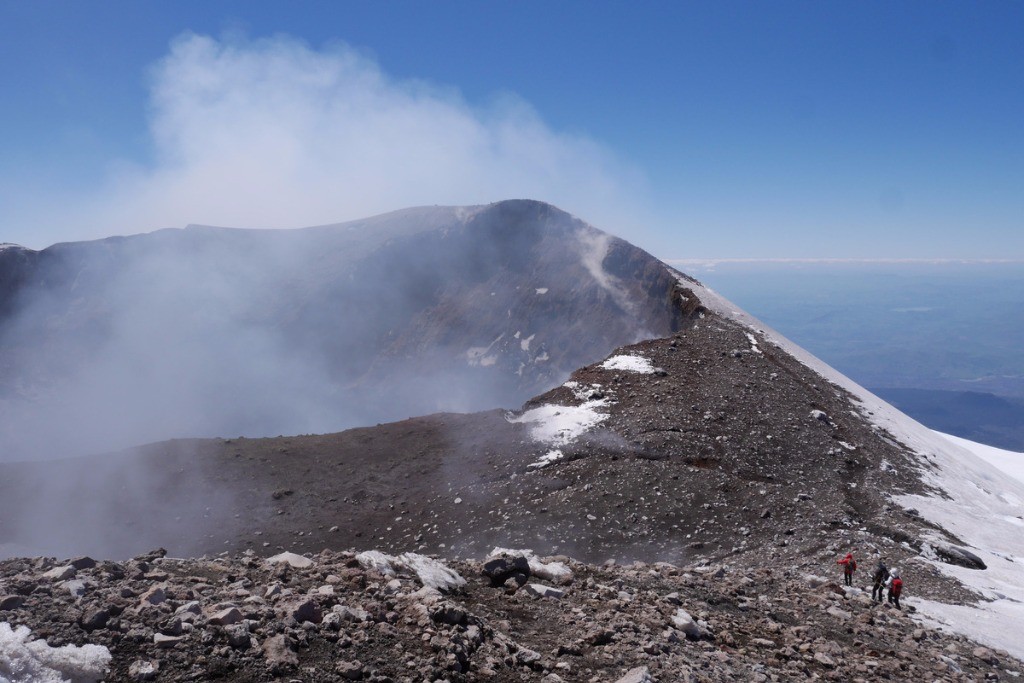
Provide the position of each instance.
(853, 564)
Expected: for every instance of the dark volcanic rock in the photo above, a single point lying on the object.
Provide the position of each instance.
(264, 332)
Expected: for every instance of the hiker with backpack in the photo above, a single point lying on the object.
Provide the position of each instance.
(849, 567)
(880, 578)
(895, 585)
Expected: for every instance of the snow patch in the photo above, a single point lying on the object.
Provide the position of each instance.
(551, 456)
(478, 355)
(541, 290)
(629, 363)
(753, 343)
(524, 344)
(431, 573)
(23, 660)
(558, 425)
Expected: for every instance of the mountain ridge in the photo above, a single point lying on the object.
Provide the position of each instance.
(718, 444)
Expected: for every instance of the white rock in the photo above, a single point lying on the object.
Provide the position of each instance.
(76, 587)
(350, 613)
(162, 641)
(376, 560)
(685, 623)
(641, 674)
(292, 559)
(60, 573)
(539, 590)
(432, 573)
(814, 581)
(142, 670)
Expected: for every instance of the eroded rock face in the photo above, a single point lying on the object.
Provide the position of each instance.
(238, 618)
(428, 309)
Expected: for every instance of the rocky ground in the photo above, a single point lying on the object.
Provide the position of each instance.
(740, 467)
(337, 616)
(732, 451)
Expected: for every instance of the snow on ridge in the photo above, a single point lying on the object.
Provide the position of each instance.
(629, 363)
(984, 508)
(559, 425)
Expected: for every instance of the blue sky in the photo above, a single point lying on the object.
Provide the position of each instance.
(860, 130)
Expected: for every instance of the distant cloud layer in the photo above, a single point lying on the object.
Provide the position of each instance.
(272, 133)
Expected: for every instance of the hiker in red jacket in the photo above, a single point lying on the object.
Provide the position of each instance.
(849, 566)
(895, 584)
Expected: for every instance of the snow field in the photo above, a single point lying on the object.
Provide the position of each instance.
(629, 363)
(23, 660)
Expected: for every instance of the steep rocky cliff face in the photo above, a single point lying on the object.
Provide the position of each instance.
(212, 331)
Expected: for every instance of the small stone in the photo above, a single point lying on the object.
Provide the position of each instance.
(143, 670)
(76, 587)
(353, 671)
(60, 573)
(824, 659)
(190, 607)
(539, 590)
(226, 617)
(238, 636)
(641, 674)
(278, 654)
(154, 596)
(83, 562)
(10, 602)
(164, 641)
(499, 569)
(291, 559)
(685, 623)
(94, 619)
(303, 610)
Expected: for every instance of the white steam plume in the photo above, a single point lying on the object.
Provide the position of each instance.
(273, 133)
